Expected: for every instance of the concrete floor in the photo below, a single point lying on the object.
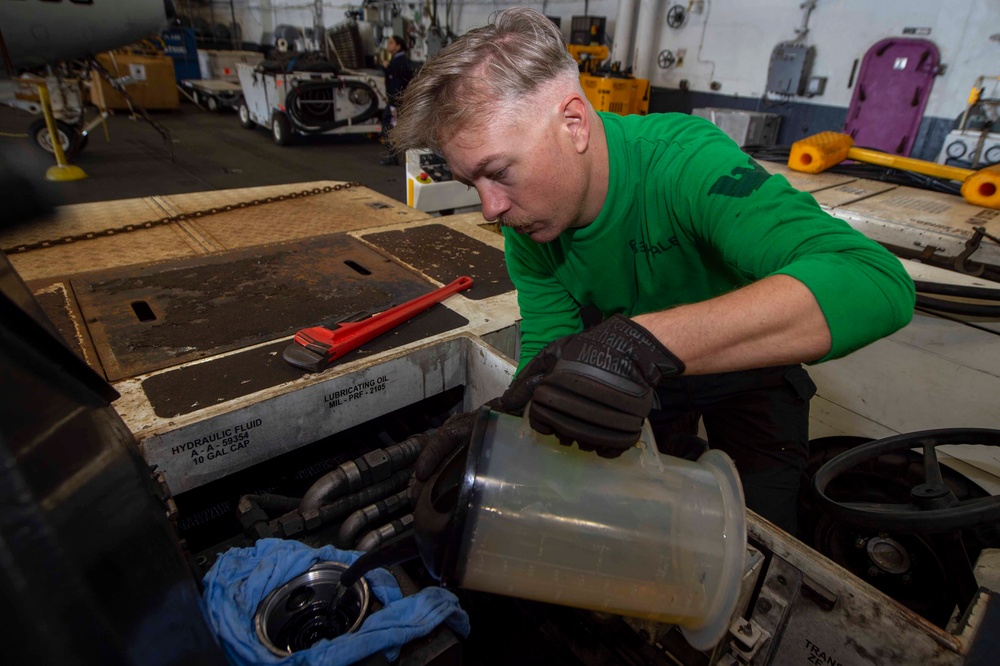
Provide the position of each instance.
(211, 151)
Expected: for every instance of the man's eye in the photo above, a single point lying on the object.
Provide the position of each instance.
(497, 175)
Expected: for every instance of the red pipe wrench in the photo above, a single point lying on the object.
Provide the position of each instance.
(315, 348)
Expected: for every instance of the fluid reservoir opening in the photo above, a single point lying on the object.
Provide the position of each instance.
(302, 612)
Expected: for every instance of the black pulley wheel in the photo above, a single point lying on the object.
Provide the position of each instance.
(933, 507)
(68, 136)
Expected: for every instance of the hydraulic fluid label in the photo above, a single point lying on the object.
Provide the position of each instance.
(218, 444)
(356, 392)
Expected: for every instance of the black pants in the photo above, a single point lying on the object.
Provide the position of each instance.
(387, 125)
(760, 418)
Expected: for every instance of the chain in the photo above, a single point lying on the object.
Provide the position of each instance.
(149, 224)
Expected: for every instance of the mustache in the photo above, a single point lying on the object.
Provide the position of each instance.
(516, 223)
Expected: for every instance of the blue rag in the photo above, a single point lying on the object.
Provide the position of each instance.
(242, 577)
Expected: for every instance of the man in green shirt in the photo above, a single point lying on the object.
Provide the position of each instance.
(715, 279)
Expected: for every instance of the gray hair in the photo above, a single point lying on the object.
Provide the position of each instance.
(481, 75)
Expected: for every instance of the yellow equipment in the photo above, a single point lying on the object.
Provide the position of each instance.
(62, 171)
(609, 90)
(818, 153)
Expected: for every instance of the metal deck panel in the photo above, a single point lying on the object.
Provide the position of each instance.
(445, 253)
(83, 218)
(147, 318)
(139, 247)
(229, 378)
(848, 193)
(303, 217)
(913, 218)
(806, 182)
(59, 304)
(935, 210)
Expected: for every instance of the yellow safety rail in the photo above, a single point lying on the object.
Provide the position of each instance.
(818, 153)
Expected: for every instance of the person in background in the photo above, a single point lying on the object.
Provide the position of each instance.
(398, 73)
(716, 280)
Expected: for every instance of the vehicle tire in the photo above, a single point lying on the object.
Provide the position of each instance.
(281, 129)
(69, 137)
(212, 104)
(243, 111)
(196, 98)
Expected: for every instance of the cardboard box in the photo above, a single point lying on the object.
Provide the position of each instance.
(153, 85)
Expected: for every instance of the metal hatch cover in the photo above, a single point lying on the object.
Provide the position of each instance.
(444, 254)
(229, 377)
(145, 318)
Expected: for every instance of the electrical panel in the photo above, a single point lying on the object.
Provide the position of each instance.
(788, 72)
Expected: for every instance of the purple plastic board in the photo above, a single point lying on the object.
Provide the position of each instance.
(890, 94)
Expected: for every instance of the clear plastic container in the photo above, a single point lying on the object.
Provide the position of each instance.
(644, 535)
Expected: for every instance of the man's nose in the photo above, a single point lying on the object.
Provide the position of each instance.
(494, 202)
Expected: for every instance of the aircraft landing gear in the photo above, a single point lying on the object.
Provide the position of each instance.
(70, 138)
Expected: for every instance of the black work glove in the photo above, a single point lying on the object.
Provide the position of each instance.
(440, 442)
(594, 387)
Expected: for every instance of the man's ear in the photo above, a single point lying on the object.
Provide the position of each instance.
(576, 119)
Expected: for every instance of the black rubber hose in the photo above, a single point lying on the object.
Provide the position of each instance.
(270, 502)
(306, 127)
(254, 512)
(354, 475)
(377, 537)
(954, 307)
(400, 548)
(297, 521)
(362, 518)
(346, 505)
(862, 170)
(960, 291)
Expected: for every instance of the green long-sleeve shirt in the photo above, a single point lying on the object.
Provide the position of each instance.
(688, 217)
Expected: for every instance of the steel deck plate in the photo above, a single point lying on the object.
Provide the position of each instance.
(934, 211)
(302, 217)
(314, 215)
(83, 218)
(58, 304)
(848, 193)
(232, 376)
(145, 318)
(445, 254)
(806, 182)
